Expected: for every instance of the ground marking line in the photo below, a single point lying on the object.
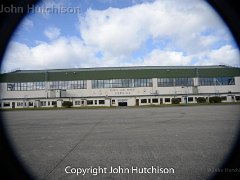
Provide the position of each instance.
(71, 150)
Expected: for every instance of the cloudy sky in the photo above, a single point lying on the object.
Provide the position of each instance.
(110, 33)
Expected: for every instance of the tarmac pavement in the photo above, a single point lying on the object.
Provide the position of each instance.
(89, 144)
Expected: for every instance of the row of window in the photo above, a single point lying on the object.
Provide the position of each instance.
(81, 84)
(48, 103)
(155, 100)
(102, 102)
(26, 86)
(164, 82)
(42, 103)
(216, 81)
(29, 104)
(190, 99)
(90, 102)
(53, 85)
(119, 83)
(53, 103)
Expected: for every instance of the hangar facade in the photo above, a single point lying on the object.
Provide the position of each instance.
(118, 86)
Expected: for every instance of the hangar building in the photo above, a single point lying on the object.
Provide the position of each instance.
(118, 86)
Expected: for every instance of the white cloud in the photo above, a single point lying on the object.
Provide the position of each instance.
(122, 31)
(52, 32)
(166, 58)
(60, 53)
(225, 55)
(70, 53)
(186, 30)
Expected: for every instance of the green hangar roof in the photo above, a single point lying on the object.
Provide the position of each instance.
(119, 73)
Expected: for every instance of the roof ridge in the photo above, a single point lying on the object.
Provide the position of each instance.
(121, 68)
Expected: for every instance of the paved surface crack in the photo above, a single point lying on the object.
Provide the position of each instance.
(74, 147)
